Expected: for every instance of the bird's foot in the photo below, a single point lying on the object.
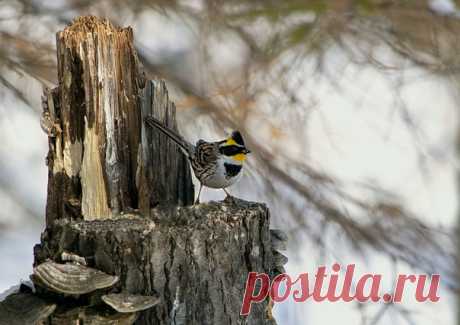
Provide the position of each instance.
(197, 201)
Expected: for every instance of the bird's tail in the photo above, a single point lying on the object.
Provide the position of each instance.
(186, 147)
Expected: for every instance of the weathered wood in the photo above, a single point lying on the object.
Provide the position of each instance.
(118, 193)
(195, 258)
(102, 161)
(24, 308)
(164, 176)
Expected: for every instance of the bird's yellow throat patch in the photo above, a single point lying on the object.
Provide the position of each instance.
(239, 157)
(230, 142)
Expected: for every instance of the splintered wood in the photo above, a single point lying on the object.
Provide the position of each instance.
(96, 158)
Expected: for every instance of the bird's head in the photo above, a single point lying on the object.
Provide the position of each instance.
(233, 147)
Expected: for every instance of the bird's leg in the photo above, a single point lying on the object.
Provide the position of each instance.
(228, 197)
(197, 201)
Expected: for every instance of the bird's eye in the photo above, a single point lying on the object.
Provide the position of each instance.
(231, 150)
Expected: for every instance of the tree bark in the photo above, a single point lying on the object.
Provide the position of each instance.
(195, 258)
(118, 193)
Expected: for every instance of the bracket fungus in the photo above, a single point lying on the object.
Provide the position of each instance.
(278, 239)
(114, 319)
(74, 258)
(129, 303)
(92, 315)
(71, 279)
(279, 259)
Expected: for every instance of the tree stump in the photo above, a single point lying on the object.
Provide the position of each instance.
(119, 194)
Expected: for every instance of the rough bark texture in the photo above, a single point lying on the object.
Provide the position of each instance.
(118, 192)
(195, 258)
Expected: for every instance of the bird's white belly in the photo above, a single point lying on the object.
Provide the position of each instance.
(218, 179)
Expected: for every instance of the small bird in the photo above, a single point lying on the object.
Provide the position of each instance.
(215, 164)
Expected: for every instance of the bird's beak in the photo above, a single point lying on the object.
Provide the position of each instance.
(246, 151)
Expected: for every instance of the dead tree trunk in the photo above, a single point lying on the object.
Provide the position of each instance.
(119, 194)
